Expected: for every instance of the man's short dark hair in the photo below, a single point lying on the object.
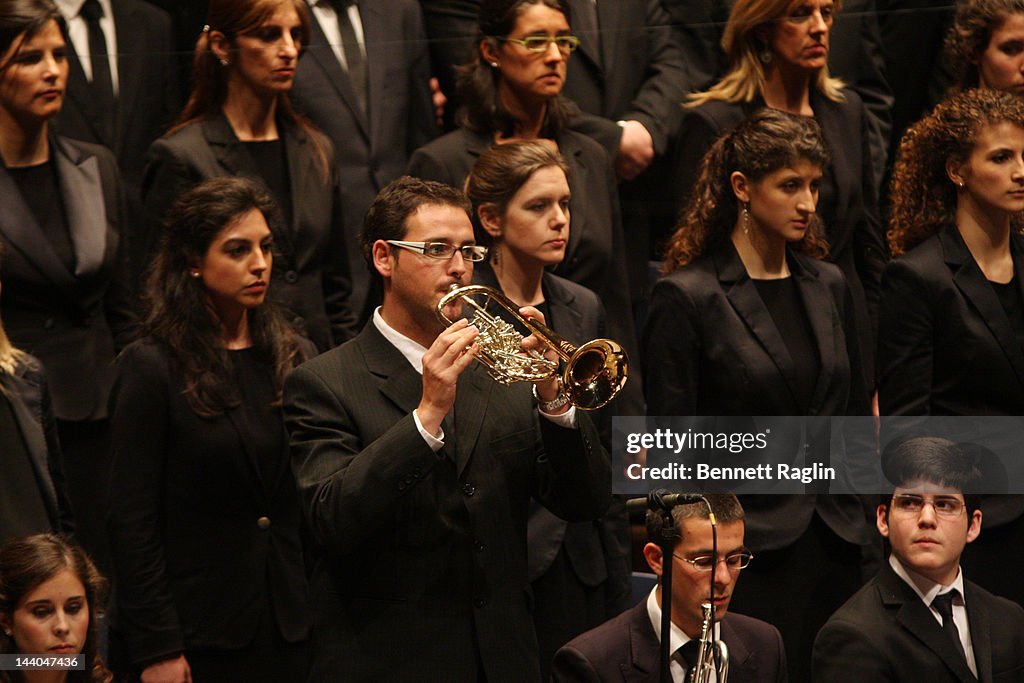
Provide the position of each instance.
(385, 220)
(934, 460)
(726, 507)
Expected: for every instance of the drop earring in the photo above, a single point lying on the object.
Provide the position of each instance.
(224, 62)
(746, 219)
(765, 56)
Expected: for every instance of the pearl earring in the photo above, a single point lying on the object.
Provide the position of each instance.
(746, 218)
(224, 62)
(195, 273)
(494, 65)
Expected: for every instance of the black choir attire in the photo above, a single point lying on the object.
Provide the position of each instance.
(33, 498)
(64, 301)
(847, 203)
(311, 268)
(580, 572)
(205, 524)
(951, 343)
(718, 343)
(595, 256)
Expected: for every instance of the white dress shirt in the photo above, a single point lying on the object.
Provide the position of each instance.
(676, 638)
(328, 19)
(78, 32)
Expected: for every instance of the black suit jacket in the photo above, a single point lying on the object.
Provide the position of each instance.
(886, 633)
(373, 148)
(855, 237)
(945, 344)
(196, 564)
(29, 397)
(423, 568)
(712, 348)
(148, 96)
(627, 649)
(69, 319)
(310, 275)
(595, 254)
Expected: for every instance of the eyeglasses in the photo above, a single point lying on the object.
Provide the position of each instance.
(565, 44)
(944, 506)
(704, 563)
(443, 250)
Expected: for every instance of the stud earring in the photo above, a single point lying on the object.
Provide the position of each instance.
(194, 273)
(224, 62)
(494, 65)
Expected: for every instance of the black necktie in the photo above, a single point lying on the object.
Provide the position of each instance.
(353, 55)
(688, 653)
(102, 85)
(943, 604)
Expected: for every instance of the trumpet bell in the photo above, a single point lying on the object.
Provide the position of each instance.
(596, 373)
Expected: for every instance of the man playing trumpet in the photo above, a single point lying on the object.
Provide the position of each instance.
(415, 469)
(627, 647)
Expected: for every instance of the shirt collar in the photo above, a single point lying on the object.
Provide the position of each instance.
(925, 588)
(412, 350)
(677, 637)
(71, 8)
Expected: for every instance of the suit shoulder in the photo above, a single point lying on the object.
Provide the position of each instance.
(586, 144)
(696, 279)
(148, 13)
(718, 115)
(924, 260)
(182, 139)
(584, 296)
(1002, 610)
(448, 147)
(762, 631)
(829, 273)
(102, 154)
(601, 641)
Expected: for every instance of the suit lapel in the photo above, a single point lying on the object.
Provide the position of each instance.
(916, 618)
(561, 305)
(746, 301)
(972, 284)
(590, 44)
(257, 480)
(18, 225)
(322, 53)
(608, 18)
(25, 399)
(377, 40)
(644, 646)
(817, 301)
(578, 180)
(471, 398)
(739, 649)
(77, 91)
(978, 621)
(81, 188)
(229, 152)
(130, 74)
(399, 381)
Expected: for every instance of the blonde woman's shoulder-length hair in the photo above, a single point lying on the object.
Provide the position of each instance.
(745, 80)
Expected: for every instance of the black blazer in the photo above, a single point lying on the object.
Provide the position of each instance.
(855, 236)
(148, 97)
(711, 348)
(310, 277)
(29, 397)
(446, 592)
(373, 148)
(202, 540)
(69, 319)
(595, 254)
(886, 633)
(945, 344)
(627, 649)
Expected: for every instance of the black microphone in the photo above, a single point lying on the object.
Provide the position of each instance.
(661, 499)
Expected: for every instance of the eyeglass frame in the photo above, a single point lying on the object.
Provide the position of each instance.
(574, 43)
(474, 250)
(961, 505)
(706, 570)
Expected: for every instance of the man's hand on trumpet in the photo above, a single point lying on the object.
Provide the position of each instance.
(547, 389)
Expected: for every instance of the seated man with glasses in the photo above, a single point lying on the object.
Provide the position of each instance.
(628, 646)
(919, 619)
(415, 469)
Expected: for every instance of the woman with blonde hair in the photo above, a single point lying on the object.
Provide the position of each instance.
(239, 121)
(778, 53)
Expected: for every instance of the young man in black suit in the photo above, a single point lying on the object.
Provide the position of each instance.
(919, 619)
(627, 648)
(415, 469)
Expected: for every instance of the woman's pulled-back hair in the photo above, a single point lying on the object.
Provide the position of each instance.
(501, 171)
(745, 80)
(481, 109)
(766, 142)
(923, 197)
(27, 562)
(971, 33)
(179, 311)
(26, 17)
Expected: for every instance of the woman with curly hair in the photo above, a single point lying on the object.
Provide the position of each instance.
(985, 45)
(204, 523)
(50, 594)
(778, 52)
(749, 320)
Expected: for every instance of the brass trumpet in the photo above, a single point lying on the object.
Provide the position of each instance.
(594, 372)
(712, 655)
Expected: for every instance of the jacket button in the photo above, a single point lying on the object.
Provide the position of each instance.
(291, 277)
(468, 489)
(401, 485)
(49, 323)
(479, 603)
(479, 547)
(263, 523)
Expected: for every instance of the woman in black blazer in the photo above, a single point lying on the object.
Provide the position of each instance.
(951, 322)
(61, 223)
(779, 60)
(511, 91)
(239, 121)
(749, 321)
(579, 572)
(204, 522)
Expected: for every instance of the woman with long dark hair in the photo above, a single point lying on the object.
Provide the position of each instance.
(749, 320)
(983, 45)
(50, 596)
(580, 572)
(511, 90)
(239, 121)
(62, 225)
(778, 53)
(205, 519)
